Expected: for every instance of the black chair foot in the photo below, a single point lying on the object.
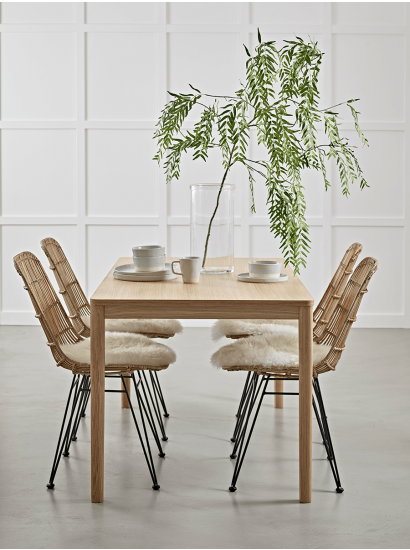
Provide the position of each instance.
(339, 489)
(155, 487)
(236, 415)
(232, 456)
(50, 485)
(164, 438)
(83, 415)
(66, 454)
(232, 489)
(233, 439)
(74, 438)
(166, 415)
(161, 455)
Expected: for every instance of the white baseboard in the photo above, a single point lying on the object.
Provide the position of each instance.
(27, 318)
(18, 318)
(363, 321)
(368, 320)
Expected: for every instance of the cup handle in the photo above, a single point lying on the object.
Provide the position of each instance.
(172, 267)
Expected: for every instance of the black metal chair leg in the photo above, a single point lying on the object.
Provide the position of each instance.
(325, 431)
(148, 412)
(156, 395)
(319, 422)
(245, 387)
(87, 397)
(74, 412)
(243, 448)
(147, 450)
(327, 439)
(160, 394)
(241, 404)
(246, 408)
(242, 412)
(150, 416)
(82, 400)
(61, 444)
(154, 406)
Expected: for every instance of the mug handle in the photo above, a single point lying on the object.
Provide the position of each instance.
(172, 267)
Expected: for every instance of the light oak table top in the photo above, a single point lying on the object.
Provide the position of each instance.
(222, 296)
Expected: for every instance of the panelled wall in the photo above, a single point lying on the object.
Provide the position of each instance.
(83, 84)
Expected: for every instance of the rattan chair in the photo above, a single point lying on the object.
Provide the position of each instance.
(321, 316)
(267, 358)
(65, 344)
(79, 313)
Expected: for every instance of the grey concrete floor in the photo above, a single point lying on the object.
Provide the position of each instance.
(368, 414)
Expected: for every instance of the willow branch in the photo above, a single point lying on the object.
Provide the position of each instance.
(216, 209)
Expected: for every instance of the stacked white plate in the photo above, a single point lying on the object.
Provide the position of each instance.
(246, 278)
(127, 272)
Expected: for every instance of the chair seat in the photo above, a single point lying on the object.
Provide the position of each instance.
(249, 327)
(264, 353)
(124, 349)
(166, 327)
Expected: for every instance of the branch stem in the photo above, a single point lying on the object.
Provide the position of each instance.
(216, 209)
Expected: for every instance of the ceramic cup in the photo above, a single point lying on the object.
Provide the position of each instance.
(149, 263)
(149, 250)
(264, 269)
(190, 267)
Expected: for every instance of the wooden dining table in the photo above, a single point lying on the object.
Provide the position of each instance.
(215, 297)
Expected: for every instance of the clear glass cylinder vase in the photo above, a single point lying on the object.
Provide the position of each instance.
(212, 231)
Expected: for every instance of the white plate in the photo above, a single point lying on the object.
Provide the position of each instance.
(246, 278)
(145, 278)
(129, 269)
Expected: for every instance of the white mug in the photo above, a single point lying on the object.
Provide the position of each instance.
(190, 267)
(264, 269)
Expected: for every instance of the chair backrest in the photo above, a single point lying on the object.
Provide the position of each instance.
(345, 314)
(74, 297)
(330, 298)
(47, 306)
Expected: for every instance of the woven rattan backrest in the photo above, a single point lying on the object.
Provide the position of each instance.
(345, 313)
(48, 307)
(330, 299)
(74, 297)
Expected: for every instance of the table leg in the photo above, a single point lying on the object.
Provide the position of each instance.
(305, 402)
(124, 400)
(278, 398)
(97, 402)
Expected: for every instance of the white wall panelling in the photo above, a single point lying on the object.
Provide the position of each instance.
(78, 115)
(43, 87)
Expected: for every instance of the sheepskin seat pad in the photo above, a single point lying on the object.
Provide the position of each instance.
(265, 351)
(248, 327)
(124, 349)
(170, 327)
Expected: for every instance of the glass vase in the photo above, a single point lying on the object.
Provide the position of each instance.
(212, 242)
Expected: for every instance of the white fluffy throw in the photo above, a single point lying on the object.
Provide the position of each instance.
(233, 327)
(266, 350)
(160, 326)
(124, 349)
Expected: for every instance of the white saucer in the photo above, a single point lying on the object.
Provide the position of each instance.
(129, 269)
(145, 277)
(246, 278)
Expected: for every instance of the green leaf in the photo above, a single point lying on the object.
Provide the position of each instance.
(247, 51)
(196, 89)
